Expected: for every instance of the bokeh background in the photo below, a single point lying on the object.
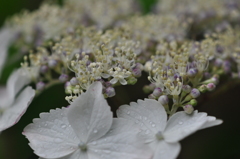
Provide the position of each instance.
(221, 142)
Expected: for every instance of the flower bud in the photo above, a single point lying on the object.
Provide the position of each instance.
(52, 63)
(203, 88)
(188, 109)
(137, 72)
(63, 78)
(110, 92)
(74, 81)
(195, 93)
(40, 86)
(192, 72)
(43, 69)
(186, 88)
(157, 92)
(132, 80)
(193, 102)
(163, 99)
(151, 96)
(211, 86)
(218, 62)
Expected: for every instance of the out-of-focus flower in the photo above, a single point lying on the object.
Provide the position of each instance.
(14, 99)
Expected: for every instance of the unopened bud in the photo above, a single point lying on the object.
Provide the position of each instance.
(203, 88)
(63, 78)
(186, 88)
(157, 92)
(74, 81)
(193, 102)
(52, 63)
(43, 69)
(163, 99)
(211, 86)
(40, 86)
(132, 80)
(188, 109)
(110, 92)
(192, 72)
(151, 96)
(195, 93)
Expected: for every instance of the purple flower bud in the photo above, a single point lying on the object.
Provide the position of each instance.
(195, 93)
(192, 72)
(163, 99)
(188, 109)
(63, 78)
(151, 96)
(218, 62)
(186, 88)
(108, 84)
(110, 92)
(211, 86)
(137, 72)
(215, 80)
(207, 75)
(67, 84)
(157, 92)
(74, 81)
(43, 69)
(40, 86)
(52, 63)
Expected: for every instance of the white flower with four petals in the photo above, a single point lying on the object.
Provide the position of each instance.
(163, 135)
(85, 130)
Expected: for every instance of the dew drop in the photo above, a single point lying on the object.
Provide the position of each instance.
(180, 122)
(153, 125)
(95, 131)
(63, 126)
(128, 112)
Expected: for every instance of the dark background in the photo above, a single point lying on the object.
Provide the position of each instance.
(220, 142)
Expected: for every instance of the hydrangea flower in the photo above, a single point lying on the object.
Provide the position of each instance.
(85, 130)
(161, 134)
(14, 99)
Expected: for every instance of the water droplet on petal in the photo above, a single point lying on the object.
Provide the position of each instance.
(95, 131)
(63, 126)
(153, 125)
(128, 112)
(180, 122)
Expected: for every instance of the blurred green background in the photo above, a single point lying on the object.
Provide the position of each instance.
(221, 142)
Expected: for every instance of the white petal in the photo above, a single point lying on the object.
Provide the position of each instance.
(13, 114)
(114, 80)
(75, 155)
(180, 125)
(51, 136)
(6, 37)
(166, 150)
(149, 115)
(105, 75)
(90, 115)
(119, 143)
(15, 83)
(122, 81)
(211, 121)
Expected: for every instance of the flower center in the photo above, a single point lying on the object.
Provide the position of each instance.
(159, 135)
(82, 146)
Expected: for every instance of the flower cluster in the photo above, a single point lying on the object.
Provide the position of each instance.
(175, 54)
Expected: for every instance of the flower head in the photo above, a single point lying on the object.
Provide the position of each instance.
(84, 130)
(161, 134)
